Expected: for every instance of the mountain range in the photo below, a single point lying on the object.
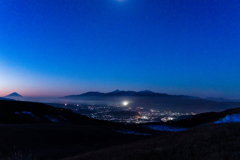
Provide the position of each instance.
(145, 99)
(123, 93)
(151, 100)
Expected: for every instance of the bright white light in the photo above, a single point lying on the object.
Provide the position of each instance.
(125, 103)
(144, 117)
(65, 104)
(170, 118)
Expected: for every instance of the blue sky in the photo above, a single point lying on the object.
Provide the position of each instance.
(61, 47)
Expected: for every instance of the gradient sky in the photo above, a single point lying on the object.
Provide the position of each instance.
(61, 47)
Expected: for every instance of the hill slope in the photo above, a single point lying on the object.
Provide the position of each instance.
(227, 116)
(221, 141)
(17, 112)
(51, 133)
(204, 118)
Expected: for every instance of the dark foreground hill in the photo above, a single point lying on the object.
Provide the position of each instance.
(55, 141)
(55, 133)
(219, 141)
(51, 133)
(205, 118)
(17, 112)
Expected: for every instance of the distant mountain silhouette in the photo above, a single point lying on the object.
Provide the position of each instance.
(151, 100)
(91, 94)
(14, 94)
(146, 91)
(122, 93)
(221, 99)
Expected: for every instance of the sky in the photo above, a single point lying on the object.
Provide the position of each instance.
(62, 47)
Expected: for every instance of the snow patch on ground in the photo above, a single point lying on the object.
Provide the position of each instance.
(164, 128)
(62, 118)
(132, 132)
(27, 113)
(229, 119)
(52, 119)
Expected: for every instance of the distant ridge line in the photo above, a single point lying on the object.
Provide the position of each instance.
(125, 93)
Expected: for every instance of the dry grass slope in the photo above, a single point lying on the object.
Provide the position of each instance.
(220, 141)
